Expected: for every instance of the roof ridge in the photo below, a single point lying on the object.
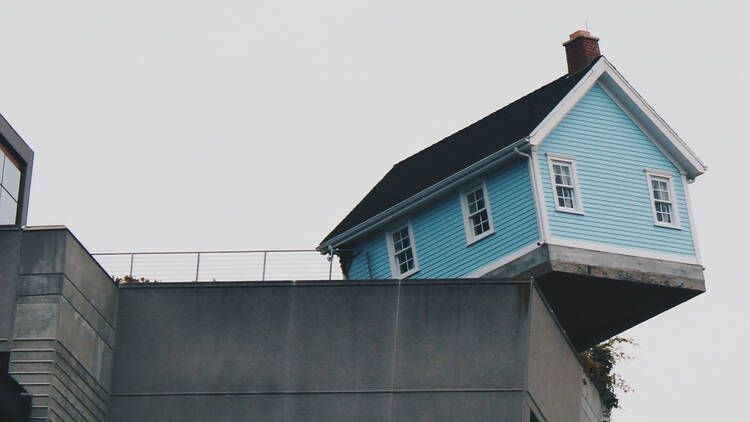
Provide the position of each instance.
(510, 104)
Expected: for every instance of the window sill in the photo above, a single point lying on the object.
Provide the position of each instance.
(569, 210)
(668, 226)
(407, 274)
(476, 239)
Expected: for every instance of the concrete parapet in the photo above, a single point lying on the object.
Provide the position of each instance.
(438, 350)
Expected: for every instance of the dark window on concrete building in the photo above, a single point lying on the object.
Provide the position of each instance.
(10, 187)
(4, 362)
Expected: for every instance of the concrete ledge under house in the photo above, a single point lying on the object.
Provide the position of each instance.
(581, 285)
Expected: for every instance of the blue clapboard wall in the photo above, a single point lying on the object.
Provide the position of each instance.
(440, 238)
(611, 155)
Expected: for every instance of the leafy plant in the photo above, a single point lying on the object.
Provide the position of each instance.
(598, 363)
(131, 279)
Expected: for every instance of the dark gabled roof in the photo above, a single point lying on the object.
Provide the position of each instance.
(460, 150)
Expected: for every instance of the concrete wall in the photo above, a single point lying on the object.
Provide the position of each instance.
(427, 350)
(10, 252)
(438, 350)
(64, 331)
(554, 370)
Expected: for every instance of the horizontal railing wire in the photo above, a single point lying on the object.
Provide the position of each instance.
(208, 266)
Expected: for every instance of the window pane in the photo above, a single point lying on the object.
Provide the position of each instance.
(405, 261)
(663, 212)
(480, 222)
(565, 197)
(397, 241)
(475, 201)
(562, 175)
(11, 178)
(8, 208)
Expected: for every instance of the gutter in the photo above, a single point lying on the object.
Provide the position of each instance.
(537, 203)
(430, 193)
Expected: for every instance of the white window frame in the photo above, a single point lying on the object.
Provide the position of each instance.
(669, 177)
(395, 270)
(570, 162)
(468, 226)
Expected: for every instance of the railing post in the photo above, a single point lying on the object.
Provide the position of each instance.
(263, 276)
(132, 256)
(197, 267)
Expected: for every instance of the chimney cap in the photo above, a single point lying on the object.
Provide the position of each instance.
(580, 34)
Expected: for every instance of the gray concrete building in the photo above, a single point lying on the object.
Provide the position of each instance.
(88, 349)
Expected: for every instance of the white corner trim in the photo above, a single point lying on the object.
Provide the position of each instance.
(538, 204)
(395, 273)
(622, 250)
(504, 260)
(691, 223)
(672, 198)
(618, 88)
(541, 199)
(566, 159)
(470, 237)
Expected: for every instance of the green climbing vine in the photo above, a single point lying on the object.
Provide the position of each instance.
(598, 363)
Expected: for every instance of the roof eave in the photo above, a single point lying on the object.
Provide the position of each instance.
(604, 73)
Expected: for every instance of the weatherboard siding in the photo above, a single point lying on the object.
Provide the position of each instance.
(372, 251)
(440, 237)
(611, 155)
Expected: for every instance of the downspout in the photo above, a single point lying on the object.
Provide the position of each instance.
(532, 175)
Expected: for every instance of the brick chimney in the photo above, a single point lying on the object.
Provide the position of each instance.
(581, 49)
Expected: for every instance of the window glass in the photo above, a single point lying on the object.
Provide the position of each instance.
(663, 200)
(11, 179)
(8, 207)
(477, 213)
(478, 216)
(402, 251)
(565, 186)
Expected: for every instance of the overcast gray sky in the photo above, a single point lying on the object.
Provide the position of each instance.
(181, 125)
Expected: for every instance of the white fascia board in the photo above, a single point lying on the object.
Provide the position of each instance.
(634, 105)
(444, 186)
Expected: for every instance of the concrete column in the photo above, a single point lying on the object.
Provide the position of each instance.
(10, 249)
(62, 345)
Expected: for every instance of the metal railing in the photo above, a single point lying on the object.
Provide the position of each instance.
(258, 265)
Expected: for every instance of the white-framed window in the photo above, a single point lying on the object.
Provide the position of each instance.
(565, 188)
(402, 250)
(475, 206)
(663, 201)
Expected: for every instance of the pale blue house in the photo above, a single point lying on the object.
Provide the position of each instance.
(579, 179)
(582, 162)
